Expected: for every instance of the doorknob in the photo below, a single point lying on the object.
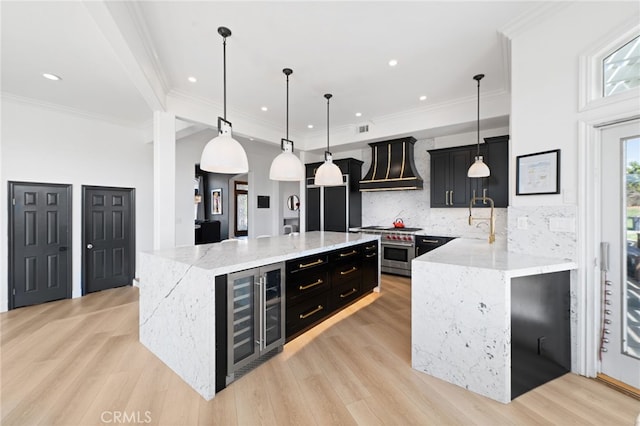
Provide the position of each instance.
(89, 246)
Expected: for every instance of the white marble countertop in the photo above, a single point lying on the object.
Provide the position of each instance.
(475, 253)
(223, 258)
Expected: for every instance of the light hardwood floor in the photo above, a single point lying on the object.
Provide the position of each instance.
(79, 362)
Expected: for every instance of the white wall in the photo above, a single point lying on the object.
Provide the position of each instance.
(544, 105)
(43, 145)
(545, 115)
(260, 155)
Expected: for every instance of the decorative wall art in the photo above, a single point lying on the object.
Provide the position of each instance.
(538, 173)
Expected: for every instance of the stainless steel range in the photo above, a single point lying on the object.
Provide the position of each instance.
(398, 248)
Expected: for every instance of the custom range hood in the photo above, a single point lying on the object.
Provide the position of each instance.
(392, 166)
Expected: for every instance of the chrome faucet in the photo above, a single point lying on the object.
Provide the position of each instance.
(491, 219)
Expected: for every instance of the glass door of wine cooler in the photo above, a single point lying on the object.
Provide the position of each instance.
(243, 334)
(273, 306)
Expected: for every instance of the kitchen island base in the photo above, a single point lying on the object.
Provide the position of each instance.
(461, 316)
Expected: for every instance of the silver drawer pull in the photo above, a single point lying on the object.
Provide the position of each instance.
(353, 269)
(371, 247)
(308, 314)
(430, 241)
(349, 293)
(352, 252)
(371, 255)
(308, 286)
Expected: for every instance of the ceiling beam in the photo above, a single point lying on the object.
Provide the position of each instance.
(125, 31)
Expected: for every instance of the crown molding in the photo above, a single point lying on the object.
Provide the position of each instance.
(532, 17)
(6, 96)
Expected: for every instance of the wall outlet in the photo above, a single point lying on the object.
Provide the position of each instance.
(523, 222)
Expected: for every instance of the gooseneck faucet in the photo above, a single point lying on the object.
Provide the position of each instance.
(491, 219)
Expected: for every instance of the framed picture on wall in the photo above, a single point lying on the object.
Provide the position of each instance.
(538, 173)
(216, 201)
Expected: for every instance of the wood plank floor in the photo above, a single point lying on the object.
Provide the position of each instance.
(79, 362)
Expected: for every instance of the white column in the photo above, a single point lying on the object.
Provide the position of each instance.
(164, 180)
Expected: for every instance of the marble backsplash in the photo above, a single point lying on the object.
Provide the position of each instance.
(382, 208)
(543, 231)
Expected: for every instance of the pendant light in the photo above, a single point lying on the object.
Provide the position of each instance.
(328, 174)
(286, 166)
(478, 169)
(223, 154)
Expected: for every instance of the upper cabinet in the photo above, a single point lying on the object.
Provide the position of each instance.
(450, 186)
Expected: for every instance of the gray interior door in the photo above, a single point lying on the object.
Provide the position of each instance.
(39, 243)
(108, 237)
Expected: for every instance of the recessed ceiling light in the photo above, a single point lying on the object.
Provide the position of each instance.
(358, 114)
(192, 79)
(393, 62)
(309, 126)
(51, 77)
(264, 108)
(423, 97)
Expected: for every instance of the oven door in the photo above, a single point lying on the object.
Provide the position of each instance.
(397, 257)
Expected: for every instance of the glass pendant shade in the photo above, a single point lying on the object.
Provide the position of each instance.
(223, 154)
(478, 169)
(328, 174)
(286, 166)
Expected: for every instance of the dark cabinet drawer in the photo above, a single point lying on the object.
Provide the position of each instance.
(345, 293)
(307, 263)
(307, 283)
(347, 271)
(345, 254)
(307, 313)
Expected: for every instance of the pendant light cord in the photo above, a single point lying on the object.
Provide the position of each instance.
(287, 105)
(328, 96)
(224, 76)
(478, 118)
(477, 78)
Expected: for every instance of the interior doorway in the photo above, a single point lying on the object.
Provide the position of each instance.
(241, 208)
(108, 237)
(39, 243)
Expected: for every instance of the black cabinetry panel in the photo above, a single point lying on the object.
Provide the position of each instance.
(450, 186)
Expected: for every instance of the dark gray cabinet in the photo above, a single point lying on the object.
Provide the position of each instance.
(450, 186)
(335, 208)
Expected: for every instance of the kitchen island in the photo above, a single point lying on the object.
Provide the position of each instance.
(464, 304)
(177, 294)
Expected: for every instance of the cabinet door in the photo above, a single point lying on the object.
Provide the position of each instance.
(273, 306)
(369, 266)
(439, 179)
(244, 324)
(459, 181)
(335, 208)
(313, 209)
(497, 185)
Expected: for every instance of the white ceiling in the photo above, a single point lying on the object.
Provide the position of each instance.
(113, 72)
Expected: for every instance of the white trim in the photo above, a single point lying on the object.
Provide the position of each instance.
(590, 68)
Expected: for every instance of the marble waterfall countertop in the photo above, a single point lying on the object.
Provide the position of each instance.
(237, 255)
(177, 294)
(461, 312)
(474, 253)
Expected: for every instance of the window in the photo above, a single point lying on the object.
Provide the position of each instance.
(621, 69)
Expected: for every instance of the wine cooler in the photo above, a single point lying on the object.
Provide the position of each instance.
(255, 317)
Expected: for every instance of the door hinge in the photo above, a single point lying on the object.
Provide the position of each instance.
(13, 201)
(13, 291)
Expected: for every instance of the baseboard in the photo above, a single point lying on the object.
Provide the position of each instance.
(619, 386)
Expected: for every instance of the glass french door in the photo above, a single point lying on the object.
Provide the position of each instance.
(620, 254)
